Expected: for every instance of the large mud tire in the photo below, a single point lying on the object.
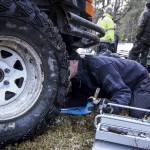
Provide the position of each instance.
(33, 71)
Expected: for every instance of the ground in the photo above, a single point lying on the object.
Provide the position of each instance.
(68, 133)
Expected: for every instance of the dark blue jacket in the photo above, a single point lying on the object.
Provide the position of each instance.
(115, 76)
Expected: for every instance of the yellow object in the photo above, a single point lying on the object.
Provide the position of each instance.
(109, 26)
(89, 9)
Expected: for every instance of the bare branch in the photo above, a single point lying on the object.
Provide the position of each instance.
(122, 15)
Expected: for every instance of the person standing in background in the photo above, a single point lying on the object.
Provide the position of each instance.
(107, 23)
(141, 44)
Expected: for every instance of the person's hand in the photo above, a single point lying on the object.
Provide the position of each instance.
(108, 109)
(94, 100)
(103, 105)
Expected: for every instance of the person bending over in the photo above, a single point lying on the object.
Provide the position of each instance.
(121, 81)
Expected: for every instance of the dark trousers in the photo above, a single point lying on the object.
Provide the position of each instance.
(141, 99)
(137, 49)
(105, 47)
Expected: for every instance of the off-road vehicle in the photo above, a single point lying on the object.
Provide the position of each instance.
(36, 37)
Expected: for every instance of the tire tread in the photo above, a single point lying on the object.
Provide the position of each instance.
(31, 14)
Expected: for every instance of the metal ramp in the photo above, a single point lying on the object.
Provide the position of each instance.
(114, 132)
(103, 145)
(121, 133)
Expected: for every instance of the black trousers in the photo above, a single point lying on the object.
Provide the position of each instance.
(137, 49)
(105, 47)
(141, 99)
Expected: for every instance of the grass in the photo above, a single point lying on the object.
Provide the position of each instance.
(68, 133)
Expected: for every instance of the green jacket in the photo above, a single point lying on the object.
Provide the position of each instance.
(109, 26)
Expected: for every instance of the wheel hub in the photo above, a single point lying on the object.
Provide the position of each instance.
(20, 78)
(12, 75)
(1, 75)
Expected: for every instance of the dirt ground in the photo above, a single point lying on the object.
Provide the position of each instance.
(68, 133)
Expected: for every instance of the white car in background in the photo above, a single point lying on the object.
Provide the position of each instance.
(123, 49)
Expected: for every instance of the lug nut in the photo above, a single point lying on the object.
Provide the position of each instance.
(6, 82)
(7, 70)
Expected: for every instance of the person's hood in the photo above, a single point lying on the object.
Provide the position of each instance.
(108, 15)
(148, 4)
